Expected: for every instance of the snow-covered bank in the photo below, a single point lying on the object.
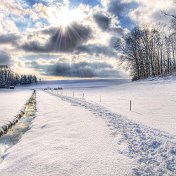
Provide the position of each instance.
(66, 140)
(11, 102)
(12, 132)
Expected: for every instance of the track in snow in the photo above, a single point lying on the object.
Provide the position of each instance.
(65, 140)
(154, 150)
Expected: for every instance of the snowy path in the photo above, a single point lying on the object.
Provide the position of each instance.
(153, 102)
(72, 136)
(154, 150)
(66, 140)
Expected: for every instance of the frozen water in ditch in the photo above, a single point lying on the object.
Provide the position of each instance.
(15, 133)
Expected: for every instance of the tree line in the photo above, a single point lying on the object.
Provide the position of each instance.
(9, 78)
(148, 52)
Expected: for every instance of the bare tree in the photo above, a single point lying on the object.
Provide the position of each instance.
(149, 53)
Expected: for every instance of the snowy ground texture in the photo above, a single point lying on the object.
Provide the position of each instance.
(18, 127)
(154, 150)
(65, 140)
(87, 129)
(11, 102)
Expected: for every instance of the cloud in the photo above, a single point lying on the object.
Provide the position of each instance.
(8, 38)
(5, 59)
(96, 50)
(34, 30)
(80, 69)
(102, 21)
(61, 41)
(151, 13)
(121, 8)
(117, 7)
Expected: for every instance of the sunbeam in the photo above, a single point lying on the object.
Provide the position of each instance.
(64, 17)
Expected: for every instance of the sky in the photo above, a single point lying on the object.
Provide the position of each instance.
(61, 39)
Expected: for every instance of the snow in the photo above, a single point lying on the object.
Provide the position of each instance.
(65, 140)
(15, 133)
(11, 102)
(97, 134)
(153, 102)
(154, 150)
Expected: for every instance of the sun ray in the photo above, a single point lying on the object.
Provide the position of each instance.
(63, 17)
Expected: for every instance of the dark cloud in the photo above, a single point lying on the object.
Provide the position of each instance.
(115, 41)
(96, 50)
(37, 47)
(74, 36)
(102, 21)
(72, 40)
(117, 7)
(81, 69)
(61, 41)
(118, 30)
(121, 9)
(5, 59)
(8, 38)
(49, 31)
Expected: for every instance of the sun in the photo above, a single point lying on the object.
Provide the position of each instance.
(64, 17)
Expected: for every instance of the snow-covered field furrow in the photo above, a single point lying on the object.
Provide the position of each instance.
(11, 102)
(66, 140)
(154, 150)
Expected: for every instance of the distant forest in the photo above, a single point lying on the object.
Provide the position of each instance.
(9, 78)
(149, 52)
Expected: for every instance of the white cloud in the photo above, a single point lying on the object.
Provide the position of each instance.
(99, 38)
(151, 12)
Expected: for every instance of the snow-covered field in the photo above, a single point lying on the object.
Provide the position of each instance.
(88, 129)
(153, 102)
